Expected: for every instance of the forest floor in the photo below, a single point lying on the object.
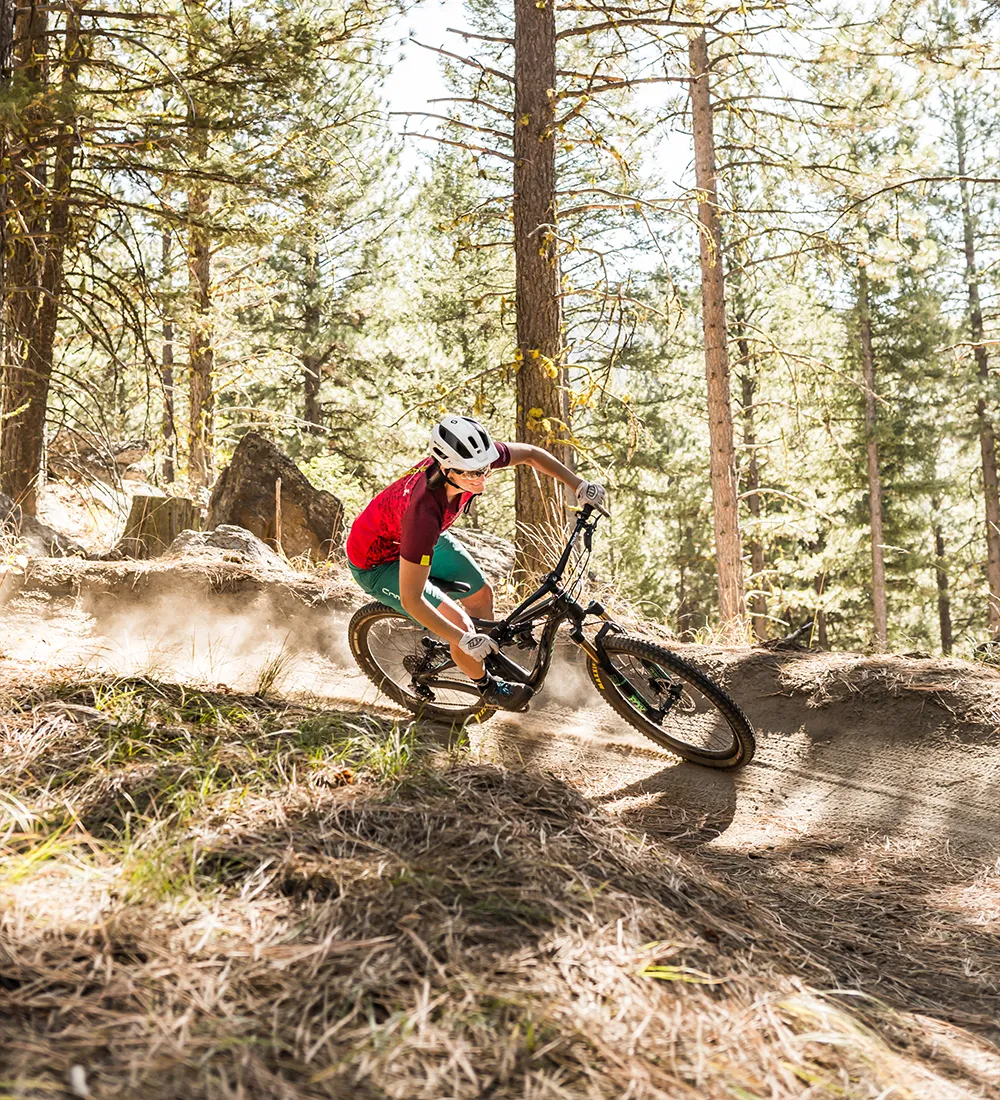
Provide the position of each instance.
(228, 870)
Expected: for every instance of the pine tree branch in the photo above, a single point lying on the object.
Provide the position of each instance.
(455, 122)
(480, 37)
(919, 179)
(463, 145)
(614, 24)
(616, 85)
(472, 63)
(101, 13)
(476, 102)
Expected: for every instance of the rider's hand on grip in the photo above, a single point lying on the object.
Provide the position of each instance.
(592, 493)
(476, 645)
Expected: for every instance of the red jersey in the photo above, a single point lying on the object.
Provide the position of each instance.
(406, 519)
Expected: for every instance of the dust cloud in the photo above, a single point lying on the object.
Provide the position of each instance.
(254, 647)
(246, 644)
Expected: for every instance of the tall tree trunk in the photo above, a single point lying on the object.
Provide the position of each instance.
(725, 508)
(6, 68)
(987, 436)
(541, 393)
(941, 575)
(758, 602)
(312, 413)
(37, 251)
(874, 474)
(167, 369)
(201, 394)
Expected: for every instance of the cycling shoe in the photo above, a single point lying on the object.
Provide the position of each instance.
(506, 695)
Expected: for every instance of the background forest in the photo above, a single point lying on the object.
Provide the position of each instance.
(739, 262)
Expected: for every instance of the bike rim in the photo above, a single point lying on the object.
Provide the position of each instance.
(394, 644)
(674, 705)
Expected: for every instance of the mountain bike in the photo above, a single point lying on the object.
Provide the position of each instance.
(659, 693)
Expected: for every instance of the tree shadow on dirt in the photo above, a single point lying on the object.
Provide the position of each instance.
(437, 906)
(909, 929)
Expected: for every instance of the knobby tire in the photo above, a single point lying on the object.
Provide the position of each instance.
(741, 741)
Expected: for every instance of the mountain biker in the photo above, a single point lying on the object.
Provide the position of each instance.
(394, 541)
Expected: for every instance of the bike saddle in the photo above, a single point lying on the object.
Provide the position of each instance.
(451, 588)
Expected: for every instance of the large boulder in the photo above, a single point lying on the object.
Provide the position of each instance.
(36, 539)
(312, 520)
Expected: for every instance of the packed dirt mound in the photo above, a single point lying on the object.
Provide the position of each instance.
(203, 571)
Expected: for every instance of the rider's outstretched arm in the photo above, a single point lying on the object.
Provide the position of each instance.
(526, 454)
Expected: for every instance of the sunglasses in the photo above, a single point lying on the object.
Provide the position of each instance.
(482, 472)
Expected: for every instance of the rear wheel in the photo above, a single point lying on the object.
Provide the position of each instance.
(389, 648)
(672, 702)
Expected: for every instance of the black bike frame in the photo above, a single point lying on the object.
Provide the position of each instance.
(556, 607)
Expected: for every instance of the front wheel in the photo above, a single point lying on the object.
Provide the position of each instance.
(672, 702)
(390, 650)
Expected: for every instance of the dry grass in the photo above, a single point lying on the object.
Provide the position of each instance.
(214, 895)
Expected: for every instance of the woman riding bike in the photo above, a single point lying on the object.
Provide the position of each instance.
(395, 540)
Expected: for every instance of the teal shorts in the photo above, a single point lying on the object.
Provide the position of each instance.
(450, 561)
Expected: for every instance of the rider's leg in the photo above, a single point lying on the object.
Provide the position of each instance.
(455, 614)
(479, 604)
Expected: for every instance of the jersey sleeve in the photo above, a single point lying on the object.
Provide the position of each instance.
(504, 459)
(421, 526)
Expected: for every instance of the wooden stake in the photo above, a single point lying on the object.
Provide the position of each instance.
(277, 517)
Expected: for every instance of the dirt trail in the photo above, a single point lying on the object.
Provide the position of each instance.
(848, 746)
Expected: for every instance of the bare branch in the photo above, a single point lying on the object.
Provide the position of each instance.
(617, 85)
(471, 62)
(462, 145)
(476, 102)
(919, 179)
(480, 37)
(456, 122)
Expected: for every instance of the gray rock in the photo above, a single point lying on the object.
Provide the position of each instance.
(229, 542)
(37, 539)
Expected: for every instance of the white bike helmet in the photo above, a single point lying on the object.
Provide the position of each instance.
(461, 443)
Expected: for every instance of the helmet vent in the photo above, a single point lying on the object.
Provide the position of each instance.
(454, 442)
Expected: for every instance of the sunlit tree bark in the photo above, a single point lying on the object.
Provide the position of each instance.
(728, 548)
(541, 395)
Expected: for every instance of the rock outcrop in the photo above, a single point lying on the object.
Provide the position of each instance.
(312, 520)
(227, 543)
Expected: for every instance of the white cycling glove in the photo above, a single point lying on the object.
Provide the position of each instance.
(476, 645)
(591, 492)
